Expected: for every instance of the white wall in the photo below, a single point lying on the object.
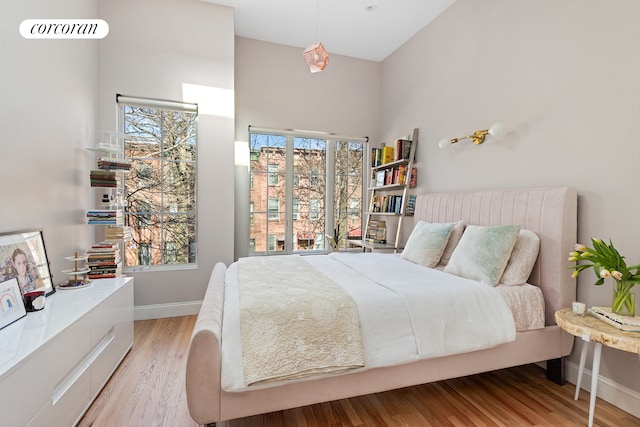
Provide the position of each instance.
(154, 49)
(274, 88)
(47, 119)
(565, 76)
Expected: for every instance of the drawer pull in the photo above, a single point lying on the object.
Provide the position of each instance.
(73, 376)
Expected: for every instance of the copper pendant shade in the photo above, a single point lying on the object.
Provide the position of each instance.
(316, 57)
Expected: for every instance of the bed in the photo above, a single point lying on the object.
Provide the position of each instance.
(550, 213)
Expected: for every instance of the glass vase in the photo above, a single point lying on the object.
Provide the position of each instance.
(624, 301)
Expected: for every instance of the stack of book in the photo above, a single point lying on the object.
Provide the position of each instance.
(103, 260)
(114, 164)
(102, 178)
(117, 233)
(411, 205)
(377, 231)
(104, 217)
(625, 323)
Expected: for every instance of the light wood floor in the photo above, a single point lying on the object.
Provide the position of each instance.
(148, 390)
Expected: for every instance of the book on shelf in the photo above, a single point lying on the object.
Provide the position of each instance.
(103, 261)
(402, 149)
(377, 231)
(387, 154)
(376, 157)
(411, 205)
(101, 178)
(413, 181)
(106, 163)
(118, 233)
(624, 323)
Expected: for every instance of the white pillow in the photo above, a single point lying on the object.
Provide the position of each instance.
(523, 257)
(426, 243)
(454, 238)
(483, 252)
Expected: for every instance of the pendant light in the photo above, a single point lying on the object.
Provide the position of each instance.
(315, 55)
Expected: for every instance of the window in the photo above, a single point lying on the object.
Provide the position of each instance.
(273, 175)
(274, 210)
(160, 189)
(251, 213)
(144, 253)
(304, 186)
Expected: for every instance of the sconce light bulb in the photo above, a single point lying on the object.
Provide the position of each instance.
(498, 129)
(444, 143)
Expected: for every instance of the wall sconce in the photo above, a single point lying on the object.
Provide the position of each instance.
(496, 130)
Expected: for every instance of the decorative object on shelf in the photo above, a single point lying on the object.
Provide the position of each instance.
(315, 55)
(34, 300)
(578, 308)
(77, 275)
(496, 130)
(11, 304)
(23, 256)
(607, 262)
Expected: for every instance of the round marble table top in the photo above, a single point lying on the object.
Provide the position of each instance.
(587, 326)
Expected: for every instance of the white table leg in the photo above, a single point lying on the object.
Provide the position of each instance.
(595, 371)
(583, 359)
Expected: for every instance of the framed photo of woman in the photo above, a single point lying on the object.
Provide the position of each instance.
(23, 257)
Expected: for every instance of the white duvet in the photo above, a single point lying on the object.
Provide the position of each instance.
(407, 312)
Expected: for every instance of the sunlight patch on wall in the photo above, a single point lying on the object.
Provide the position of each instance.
(242, 153)
(213, 101)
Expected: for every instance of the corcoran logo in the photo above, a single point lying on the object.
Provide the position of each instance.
(64, 29)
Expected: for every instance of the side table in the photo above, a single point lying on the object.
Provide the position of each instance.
(594, 330)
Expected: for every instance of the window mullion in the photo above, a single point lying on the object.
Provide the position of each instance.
(288, 198)
(329, 193)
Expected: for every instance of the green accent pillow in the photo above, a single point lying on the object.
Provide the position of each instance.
(426, 243)
(483, 252)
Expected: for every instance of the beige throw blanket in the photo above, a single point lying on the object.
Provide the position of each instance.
(294, 321)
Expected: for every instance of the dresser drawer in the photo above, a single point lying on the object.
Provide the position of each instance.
(33, 382)
(112, 312)
(115, 348)
(66, 409)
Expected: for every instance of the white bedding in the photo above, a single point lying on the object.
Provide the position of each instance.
(383, 287)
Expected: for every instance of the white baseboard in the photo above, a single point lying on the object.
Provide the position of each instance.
(618, 395)
(158, 311)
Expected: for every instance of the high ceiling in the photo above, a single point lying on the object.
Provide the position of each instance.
(365, 29)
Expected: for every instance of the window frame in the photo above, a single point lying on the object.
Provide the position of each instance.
(326, 204)
(170, 209)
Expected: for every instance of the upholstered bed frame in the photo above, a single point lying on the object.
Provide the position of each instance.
(549, 212)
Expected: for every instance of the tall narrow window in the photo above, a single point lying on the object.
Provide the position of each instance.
(161, 141)
(304, 186)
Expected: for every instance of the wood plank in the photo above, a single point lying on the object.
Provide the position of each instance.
(148, 389)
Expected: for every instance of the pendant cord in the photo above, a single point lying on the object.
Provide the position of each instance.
(317, 9)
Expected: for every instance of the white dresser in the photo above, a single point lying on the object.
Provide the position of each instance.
(54, 362)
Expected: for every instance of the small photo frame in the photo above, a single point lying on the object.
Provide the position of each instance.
(11, 303)
(380, 175)
(23, 257)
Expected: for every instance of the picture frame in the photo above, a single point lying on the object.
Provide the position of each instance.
(11, 304)
(380, 176)
(23, 256)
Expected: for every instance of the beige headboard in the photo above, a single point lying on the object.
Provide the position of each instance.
(550, 212)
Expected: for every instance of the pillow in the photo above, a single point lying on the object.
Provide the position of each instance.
(523, 257)
(454, 238)
(426, 243)
(483, 252)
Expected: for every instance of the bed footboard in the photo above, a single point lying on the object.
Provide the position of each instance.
(204, 360)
